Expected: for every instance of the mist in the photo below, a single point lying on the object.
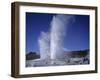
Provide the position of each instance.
(59, 26)
(51, 42)
(44, 45)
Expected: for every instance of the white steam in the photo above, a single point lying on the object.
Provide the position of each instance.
(44, 45)
(51, 43)
(59, 25)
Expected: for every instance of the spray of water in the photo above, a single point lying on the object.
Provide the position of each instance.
(59, 25)
(44, 44)
(51, 43)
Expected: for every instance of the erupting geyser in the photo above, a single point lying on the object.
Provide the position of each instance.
(51, 43)
(59, 25)
(44, 45)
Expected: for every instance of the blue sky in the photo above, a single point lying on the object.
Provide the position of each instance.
(77, 33)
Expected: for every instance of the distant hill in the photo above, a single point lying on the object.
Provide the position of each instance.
(32, 55)
(78, 54)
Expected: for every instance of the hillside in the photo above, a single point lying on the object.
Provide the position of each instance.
(32, 55)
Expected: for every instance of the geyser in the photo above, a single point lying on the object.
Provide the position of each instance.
(44, 45)
(59, 25)
(51, 43)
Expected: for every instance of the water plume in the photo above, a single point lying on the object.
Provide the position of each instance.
(59, 25)
(44, 45)
(51, 43)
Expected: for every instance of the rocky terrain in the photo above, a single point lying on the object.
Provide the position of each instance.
(70, 58)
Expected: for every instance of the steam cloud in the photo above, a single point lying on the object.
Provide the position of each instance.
(51, 43)
(59, 24)
(44, 44)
